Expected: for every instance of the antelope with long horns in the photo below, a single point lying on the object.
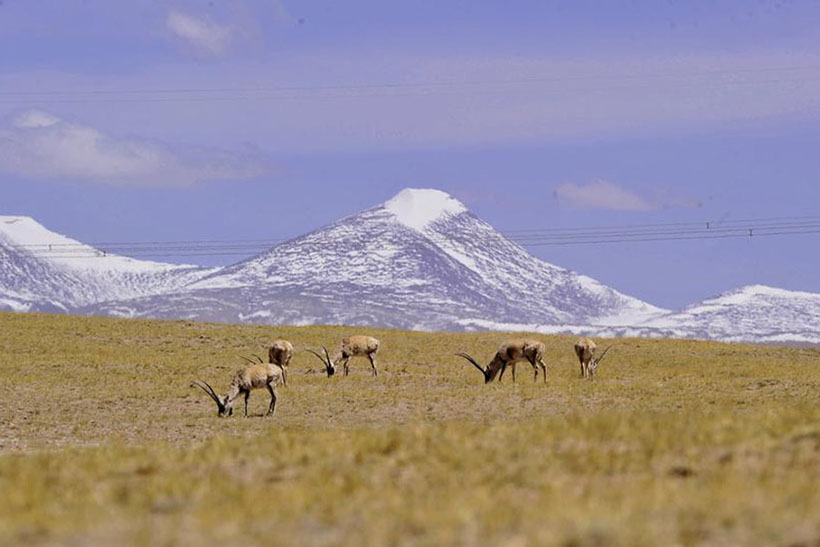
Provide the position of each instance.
(585, 350)
(280, 353)
(254, 376)
(352, 346)
(508, 354)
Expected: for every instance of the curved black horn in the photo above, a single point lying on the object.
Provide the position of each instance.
(260, 359)
(326, 362)
(211, 393)
(473, 361)
(331, 370)
(208, 390)
(251, 361)
(604, 353)
(322, 359)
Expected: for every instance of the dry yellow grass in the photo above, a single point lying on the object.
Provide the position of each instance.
(676, 442)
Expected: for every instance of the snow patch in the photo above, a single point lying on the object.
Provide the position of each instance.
(417, 208)
(591, 285)
(461, 257)
(14, 305)
(749, 293)
(259, 314)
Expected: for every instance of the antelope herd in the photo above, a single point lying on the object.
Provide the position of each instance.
(258, 374)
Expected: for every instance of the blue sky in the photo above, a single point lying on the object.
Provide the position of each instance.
(152, 120)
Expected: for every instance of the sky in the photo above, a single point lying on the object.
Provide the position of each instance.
(199, 120)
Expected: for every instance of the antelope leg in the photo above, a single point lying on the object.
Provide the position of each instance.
(272, 405)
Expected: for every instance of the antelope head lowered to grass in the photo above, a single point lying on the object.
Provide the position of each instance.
(254, 376)
(508, 354)
(280, 353)
(352, 346)
(585, 350)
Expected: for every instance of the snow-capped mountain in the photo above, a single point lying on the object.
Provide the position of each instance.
(45, 271)
(420, 260)
(754, 313)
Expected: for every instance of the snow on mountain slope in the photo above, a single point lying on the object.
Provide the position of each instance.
(755, 313)
(421, 260)
(43, 270)
(539, 288)
(24, 233)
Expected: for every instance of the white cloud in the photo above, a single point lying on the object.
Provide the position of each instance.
(37, 144)
(205, 36)
(602, 194)
(33, 119)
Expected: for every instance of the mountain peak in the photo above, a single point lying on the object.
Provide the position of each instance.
(25, 235)
(25, 231)
(418, 207)
(11, 219)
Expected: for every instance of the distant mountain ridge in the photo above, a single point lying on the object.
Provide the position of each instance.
(41, 270)
(754, 312)
(421, 260)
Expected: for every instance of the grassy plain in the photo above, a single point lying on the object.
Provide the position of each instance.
(676, 442)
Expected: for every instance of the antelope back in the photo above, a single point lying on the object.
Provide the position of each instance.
(517, 349)
(256, 376)
(511, 350)
(585, 349)
(359, 345)
(280, 352)
(533, 349)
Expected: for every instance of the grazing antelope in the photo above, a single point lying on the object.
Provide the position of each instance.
(585, 350)
(253, 376)
(508, 354)
(352, 346)
(280, 353)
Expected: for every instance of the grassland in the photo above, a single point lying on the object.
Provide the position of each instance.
(676, 442)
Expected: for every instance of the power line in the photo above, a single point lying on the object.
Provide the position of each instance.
(194, 253)
(142, 249)
(749, 235)
(704, 223)
(199, 94)
(216, 245)
(324, 96)
(711, 226)
(741, 230)
(429, 83)
(688, 231)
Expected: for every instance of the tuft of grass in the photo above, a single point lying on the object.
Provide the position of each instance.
(682, 442)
